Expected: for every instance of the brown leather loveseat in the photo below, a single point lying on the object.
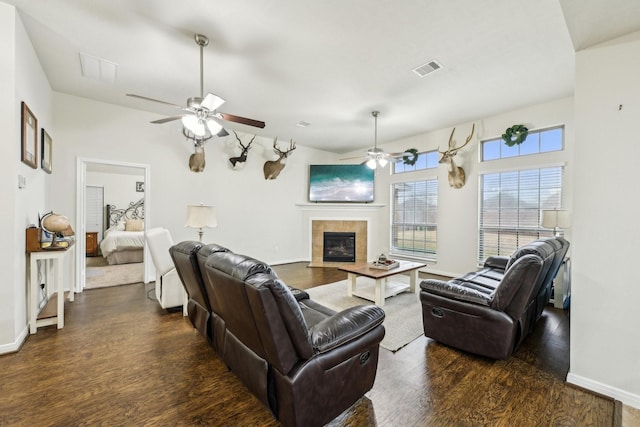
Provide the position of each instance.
(304, 361)
(489, 312)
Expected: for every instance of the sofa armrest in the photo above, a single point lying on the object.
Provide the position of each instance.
(345, 326)
(455, 290)
(499, 262)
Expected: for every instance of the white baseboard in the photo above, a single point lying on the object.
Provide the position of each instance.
(625, 397)
(288, 261)
(15, 346)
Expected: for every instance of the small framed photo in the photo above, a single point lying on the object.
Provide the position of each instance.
(46, 151)
(140, 186)
(29, 137)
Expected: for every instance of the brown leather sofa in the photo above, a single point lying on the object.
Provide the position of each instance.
(304, 361)
(489, 312)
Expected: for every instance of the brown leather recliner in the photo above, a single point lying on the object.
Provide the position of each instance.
(490, 312)
(307, 375)
(184, 256)
(304, 361)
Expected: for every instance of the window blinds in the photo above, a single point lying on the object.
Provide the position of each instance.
(414, 218)
(510, 204)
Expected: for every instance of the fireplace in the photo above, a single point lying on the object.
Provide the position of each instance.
(339, 247)
(321, 226)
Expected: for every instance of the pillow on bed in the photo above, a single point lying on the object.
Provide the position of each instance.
(134, 225)
(119, 226)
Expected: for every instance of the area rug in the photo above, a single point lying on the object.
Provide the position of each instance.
(403, 313)
(103, 276)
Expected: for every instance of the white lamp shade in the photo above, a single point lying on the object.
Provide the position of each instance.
(555, 218)
(200, 216)
(190, 122)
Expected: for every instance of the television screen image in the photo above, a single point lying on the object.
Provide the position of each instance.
(341, 183)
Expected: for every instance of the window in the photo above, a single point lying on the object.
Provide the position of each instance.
(540, 141)
(414, 221)
(428, 160)
(510, 204)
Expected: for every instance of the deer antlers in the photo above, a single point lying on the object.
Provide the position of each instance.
(292, 146)
(245, 150)
(453, 150)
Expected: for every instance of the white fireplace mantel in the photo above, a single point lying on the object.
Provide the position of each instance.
(353, 207)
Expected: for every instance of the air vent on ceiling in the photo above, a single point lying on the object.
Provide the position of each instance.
(98, 68)
(427, 68)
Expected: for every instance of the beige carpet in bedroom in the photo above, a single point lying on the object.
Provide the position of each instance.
(99, 274)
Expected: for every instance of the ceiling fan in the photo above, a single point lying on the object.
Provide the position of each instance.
(200, 116)
(376, 156)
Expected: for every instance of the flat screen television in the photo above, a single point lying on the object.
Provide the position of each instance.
(341, 183)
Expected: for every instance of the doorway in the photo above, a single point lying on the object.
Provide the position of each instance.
(107, 166)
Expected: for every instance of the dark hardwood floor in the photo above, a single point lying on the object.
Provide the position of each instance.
(122, 361)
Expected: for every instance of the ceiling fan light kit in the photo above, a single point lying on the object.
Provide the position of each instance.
(376, 156)
(200, 117)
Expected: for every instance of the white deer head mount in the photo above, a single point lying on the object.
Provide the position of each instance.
(272, 168)
(456, 174)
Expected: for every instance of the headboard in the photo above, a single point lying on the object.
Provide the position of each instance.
(134, 211)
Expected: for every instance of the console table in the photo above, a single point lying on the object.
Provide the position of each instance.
(53, 260)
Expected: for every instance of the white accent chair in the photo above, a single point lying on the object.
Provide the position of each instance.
(169, 289)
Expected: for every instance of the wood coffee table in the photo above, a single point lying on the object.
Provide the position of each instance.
(383, 288)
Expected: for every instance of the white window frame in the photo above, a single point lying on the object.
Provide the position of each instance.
(414, 168)
(425, 220)
(520, 234)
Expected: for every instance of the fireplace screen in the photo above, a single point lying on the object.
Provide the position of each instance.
(339, 247)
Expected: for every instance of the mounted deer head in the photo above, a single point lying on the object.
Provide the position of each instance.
(196, 160)
(245, 150)
(272, 168)
(456, 173)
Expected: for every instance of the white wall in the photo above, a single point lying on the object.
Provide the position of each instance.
(119, 188)
(21, 79)
(605, 342)
(458, 208)
(255, 216)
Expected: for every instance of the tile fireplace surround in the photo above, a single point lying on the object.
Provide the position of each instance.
(318, 227)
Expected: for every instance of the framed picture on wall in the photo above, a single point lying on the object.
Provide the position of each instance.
(46, 150)
(29, 137)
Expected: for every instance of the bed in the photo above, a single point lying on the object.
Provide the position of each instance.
(123, 241)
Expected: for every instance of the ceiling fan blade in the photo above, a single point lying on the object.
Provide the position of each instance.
(222, 133)
(353, 158)
(242, 120)
(167, 119)
(211, 102)
(154, 100)
(406, 153)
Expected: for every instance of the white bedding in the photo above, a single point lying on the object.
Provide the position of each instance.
(117, 240)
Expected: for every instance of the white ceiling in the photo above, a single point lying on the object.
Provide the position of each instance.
(329, 63)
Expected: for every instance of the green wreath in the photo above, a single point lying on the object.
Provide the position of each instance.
(410, 160)
(516, 134)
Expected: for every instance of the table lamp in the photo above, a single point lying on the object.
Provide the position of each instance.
(554, 218)
(201, 216)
